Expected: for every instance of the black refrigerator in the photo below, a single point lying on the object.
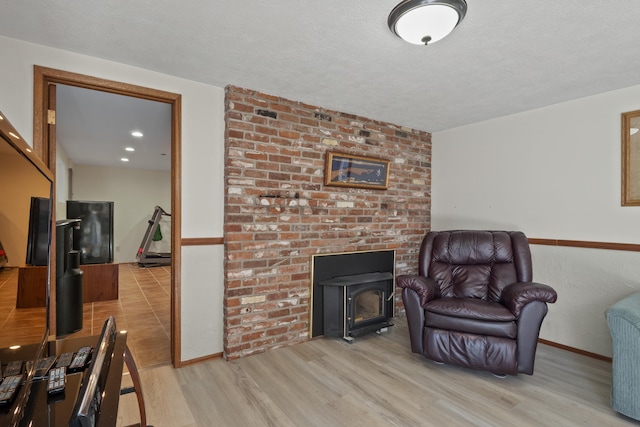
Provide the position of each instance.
(95, 234)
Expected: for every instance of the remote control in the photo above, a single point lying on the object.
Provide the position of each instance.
(64, 360)
(79, 362)
(13, 368)
(57, 380)
(8, 388)
(43, 366)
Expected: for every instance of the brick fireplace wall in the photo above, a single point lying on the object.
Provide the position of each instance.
(278, 212)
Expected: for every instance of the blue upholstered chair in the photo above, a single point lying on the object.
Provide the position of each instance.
(624, 323)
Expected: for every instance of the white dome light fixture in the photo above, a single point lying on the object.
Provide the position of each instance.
(424, 22)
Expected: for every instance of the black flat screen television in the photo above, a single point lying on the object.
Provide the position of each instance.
(95, 235)
(39, 230)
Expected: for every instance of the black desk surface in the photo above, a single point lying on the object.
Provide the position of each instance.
(55, 410)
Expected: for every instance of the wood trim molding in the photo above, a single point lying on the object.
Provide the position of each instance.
(202, 241)
(586, 244)
(575, 350)
(199, 359)
(176, 223)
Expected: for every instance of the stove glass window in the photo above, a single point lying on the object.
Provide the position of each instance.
(369, 305)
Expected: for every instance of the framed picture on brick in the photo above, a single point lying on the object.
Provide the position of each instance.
(348, 170)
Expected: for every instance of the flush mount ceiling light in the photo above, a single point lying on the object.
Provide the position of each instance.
(426, 21)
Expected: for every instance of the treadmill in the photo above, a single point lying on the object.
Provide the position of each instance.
(145, 256)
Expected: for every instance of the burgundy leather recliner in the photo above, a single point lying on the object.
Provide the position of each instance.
(473, 302)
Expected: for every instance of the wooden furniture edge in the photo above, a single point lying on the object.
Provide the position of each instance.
(137, 384)
(575, 350)
(201, 241)
(586, 244)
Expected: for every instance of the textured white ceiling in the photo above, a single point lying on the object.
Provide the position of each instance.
(94, 128)
(505, 57)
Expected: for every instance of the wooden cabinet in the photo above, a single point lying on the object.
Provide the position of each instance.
(99, 283)
(32, 287)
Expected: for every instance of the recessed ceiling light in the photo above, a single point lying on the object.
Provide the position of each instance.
(129, 149)
(124, 159)
(137, 134)
(14, 135)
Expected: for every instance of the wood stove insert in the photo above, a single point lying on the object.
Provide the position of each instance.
(358, 304)
(352, 293)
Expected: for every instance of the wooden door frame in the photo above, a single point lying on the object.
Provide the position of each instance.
(42, 78)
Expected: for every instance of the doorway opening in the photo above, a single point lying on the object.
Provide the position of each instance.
(45, 81)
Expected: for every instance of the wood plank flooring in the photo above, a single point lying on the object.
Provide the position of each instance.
(376, 381)
(143, 309)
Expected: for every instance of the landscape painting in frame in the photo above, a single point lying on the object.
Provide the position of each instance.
(348, 170)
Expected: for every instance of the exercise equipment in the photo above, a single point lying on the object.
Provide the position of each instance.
(155, 249)
(3, 257)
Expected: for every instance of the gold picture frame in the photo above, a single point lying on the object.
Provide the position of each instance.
(349, 170)
(631, 158)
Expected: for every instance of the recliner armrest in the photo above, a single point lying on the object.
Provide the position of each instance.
(516, 295)
(426, 288)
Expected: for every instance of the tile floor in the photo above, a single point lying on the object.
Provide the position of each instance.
(143, 309)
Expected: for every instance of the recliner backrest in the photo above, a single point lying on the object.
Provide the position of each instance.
(475, 264)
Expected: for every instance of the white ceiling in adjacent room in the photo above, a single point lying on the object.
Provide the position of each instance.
(95, 128)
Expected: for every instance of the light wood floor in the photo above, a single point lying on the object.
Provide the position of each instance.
(143, 309)
(376, 381)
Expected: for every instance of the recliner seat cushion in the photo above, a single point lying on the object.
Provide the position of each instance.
(470, 308)
(472, 316)
(478, 327)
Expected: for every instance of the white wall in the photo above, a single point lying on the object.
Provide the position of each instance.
(553, 173)
(20, 181)
(588, 281)
(202, 166)
(134, 194)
